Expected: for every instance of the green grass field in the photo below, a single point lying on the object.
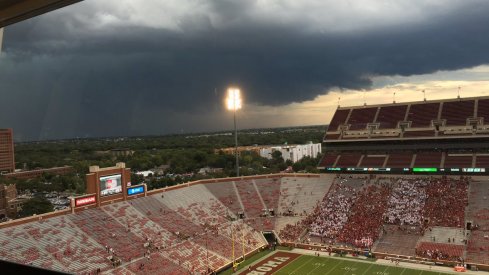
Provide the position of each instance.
(309, 265)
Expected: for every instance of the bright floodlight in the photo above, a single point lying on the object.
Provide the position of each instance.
(234, 99)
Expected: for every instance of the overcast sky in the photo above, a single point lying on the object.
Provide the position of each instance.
(134, 67)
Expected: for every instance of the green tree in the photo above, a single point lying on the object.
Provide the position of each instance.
(36, 205)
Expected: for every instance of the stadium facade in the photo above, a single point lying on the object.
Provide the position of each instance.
(439, 137)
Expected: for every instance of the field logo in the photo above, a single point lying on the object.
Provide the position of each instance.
(269, 266)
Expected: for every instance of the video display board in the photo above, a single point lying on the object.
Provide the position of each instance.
(110, 185)
(415, 170)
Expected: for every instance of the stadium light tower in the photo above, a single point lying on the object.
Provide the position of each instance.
(234, 104)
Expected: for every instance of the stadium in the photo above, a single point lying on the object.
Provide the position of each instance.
(402, 181)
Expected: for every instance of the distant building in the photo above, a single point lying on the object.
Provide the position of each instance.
(253, 148)
(289, 152)
(293, 152)
(7, 161)
(118, 152)
(145, 173)
(160, 170)
(209, 170)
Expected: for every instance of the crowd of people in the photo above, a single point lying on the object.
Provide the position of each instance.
(364, 224)
(334, 210)
(292, 232)
(406, 202)
(446, 202)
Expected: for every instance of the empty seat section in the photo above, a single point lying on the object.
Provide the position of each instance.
(399, 160)
(452, 161)
(483, 110)
(422, 114)
(348, 160)
(328, 160)
(390, 115)
(457, 112)
(482, 161)
(373, 161)
(360, 117)
(339, 118)
(428, 159)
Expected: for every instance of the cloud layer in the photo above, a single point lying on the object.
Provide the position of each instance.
(102, 68)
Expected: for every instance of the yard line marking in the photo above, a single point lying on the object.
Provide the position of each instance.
(367, 269)
(403, 271)
(293, 271)
(346, 271)
(318, 265)
(339, 262)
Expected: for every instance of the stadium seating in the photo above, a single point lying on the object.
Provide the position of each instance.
(459, 161)
(334, 209)
(373, 161)
(478, 247)
(360, 117)
(328, 160)
(226, 194)
(252, 202)
(428, 159)
(399, 160)
(107, 231)
(421, 114)
(483, 110)
(389, 116)
(270, 192)
(457, 112)
(478, 215)
(156, 265)
(339, 118)
(406, 202)
(364, 223)
(440, 251)
(447, 199)
(348, 160)
(189, 230)
(482, 160)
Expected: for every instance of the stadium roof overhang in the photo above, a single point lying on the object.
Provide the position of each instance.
(13, 11)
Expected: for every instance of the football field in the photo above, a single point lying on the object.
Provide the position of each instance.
(309, 265)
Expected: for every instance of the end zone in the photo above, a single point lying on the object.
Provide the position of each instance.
(272, 263)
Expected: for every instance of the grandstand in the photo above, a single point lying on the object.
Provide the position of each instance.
(169, 231)
(448, 135)
(432, 156)
(400, 179)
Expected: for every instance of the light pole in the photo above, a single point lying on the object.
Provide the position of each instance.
(234, 103)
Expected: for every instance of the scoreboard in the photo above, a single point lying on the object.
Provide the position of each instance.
(415, 170)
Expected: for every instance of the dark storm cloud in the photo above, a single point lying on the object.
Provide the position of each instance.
(66, 76)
